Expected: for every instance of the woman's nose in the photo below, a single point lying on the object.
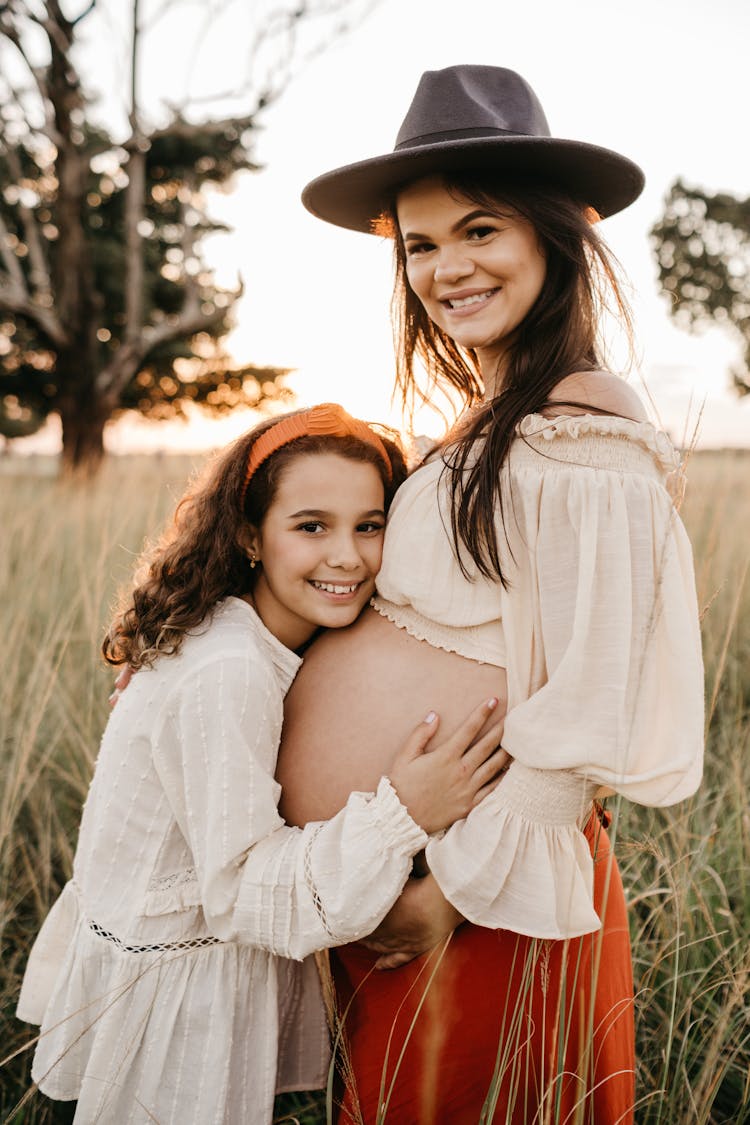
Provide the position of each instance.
(452, 265)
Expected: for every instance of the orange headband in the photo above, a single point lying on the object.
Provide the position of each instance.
(327, 420)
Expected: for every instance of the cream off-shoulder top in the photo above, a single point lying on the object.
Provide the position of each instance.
(164, 977)
(598, 630)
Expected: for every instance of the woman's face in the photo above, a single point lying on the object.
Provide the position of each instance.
(476, 272)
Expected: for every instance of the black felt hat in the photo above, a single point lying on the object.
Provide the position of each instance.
(468, 118)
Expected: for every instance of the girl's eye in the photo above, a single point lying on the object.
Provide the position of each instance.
(370, 527)
(312, 527)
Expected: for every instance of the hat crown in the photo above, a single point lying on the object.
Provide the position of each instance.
(471, 101)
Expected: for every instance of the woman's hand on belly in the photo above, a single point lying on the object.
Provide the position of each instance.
(419, 919)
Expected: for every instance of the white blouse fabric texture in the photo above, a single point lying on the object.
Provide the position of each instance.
(598, 629)
(159, 977)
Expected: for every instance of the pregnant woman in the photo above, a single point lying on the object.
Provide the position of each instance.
(536, 556)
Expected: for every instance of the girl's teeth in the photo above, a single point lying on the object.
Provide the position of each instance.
(474, 300)
(331, 589)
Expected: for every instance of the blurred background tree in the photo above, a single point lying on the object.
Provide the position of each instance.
(702, 247)
(106, 301)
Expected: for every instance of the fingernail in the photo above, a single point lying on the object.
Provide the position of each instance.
(430, 717)
(492, 703)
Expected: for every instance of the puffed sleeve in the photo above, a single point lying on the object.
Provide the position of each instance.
(605, 676)
(287, 890)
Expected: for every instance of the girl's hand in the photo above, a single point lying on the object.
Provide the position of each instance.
(444, 784)
(417, 921)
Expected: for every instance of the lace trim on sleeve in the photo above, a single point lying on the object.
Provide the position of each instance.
(173, 880)
(312, 888)
(172, 893)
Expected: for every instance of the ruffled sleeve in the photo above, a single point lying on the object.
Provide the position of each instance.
(605, 676)
(287, 890)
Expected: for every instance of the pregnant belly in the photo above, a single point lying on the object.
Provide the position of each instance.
(359, 693)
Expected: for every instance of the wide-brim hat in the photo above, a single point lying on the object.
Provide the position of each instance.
(474, 118)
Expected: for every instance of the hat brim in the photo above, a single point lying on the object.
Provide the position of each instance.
(354, 196)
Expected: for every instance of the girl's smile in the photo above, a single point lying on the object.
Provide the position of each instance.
(336, 590)
(319, 546)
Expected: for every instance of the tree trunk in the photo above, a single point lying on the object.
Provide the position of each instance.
(83, 422)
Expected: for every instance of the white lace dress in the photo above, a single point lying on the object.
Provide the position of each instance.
(169, 978)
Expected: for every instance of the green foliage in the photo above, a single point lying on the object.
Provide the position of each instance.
(17, 420)
(702, 247)
(190, 368)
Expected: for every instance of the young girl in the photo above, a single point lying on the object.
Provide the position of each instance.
(159, 977)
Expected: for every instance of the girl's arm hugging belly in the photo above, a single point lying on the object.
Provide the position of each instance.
(359, 693)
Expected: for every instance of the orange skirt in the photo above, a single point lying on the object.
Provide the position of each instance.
(495, 1027)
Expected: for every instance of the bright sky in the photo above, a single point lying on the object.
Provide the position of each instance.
(663, 81)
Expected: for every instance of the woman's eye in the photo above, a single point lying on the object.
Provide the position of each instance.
(476, 234)
(370, 526)
(414, 249)
(312, 527)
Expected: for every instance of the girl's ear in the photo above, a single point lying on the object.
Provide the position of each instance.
(248, 540)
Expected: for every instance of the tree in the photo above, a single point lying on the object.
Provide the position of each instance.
(106, 303)
(702, 247)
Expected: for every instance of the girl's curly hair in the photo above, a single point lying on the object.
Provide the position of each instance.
(198, 559)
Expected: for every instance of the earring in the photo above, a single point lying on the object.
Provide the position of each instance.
(253, 562)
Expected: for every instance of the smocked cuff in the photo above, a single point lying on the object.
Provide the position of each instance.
(556, 798)
(398, 828)
(520, 861)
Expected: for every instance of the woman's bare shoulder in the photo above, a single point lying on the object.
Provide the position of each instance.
(598, 390)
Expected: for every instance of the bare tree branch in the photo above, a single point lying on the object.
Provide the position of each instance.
(41, 285)
(10, 32)
(54, 31)
(11, 262)
(82, 15)
(22, 305)
(131, 357)
(278, 38)
(134, 199)
(160, 13)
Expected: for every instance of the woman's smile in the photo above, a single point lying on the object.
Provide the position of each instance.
(468, 301)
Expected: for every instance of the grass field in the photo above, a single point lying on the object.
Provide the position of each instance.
(67, 546)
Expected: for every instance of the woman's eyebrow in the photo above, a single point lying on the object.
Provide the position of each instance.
(457, 226)
(472, 215)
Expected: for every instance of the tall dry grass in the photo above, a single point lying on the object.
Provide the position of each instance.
(65, 549)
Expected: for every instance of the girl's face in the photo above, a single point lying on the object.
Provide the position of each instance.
(477, 273)
(319, 546)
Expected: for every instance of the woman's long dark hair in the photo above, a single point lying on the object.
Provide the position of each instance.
(558, 336)
(199, 559)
